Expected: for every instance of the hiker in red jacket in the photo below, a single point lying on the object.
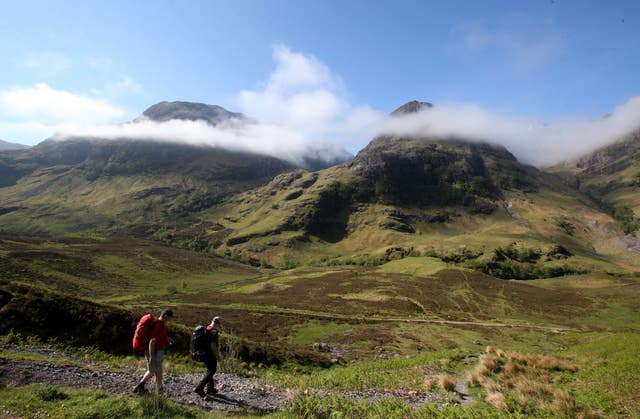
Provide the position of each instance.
(159, 339)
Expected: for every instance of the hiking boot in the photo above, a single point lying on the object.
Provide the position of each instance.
(139, 389)
(212, 391)
(200, 392)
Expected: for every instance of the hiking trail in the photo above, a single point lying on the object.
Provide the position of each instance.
(236, 392)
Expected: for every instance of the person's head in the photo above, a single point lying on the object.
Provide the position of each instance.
(166, 314)
(216, 323)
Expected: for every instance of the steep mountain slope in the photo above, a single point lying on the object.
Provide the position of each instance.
(90, 185)
(63, 187)
(83, 185)
(456, 200)
(611, 176)
(5, 145)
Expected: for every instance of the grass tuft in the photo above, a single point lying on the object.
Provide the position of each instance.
(496, 400)
(520, 382)
(446, 383)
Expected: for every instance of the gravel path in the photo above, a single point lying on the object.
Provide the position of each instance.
(463, 392)
(236, 393)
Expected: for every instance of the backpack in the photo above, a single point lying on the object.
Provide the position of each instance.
(200, 345)
(142, 335)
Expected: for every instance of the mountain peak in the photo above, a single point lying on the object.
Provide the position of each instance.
(411, 107)
(192, 111)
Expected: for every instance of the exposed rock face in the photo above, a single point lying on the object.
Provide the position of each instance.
(190, 111)
(411, 107)
(429, 172)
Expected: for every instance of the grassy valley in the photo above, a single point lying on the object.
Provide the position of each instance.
(418, 317)
(424, 278)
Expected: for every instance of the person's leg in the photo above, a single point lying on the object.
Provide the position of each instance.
(147, 375)
(211, 385)
(209, 362)
(158, 369)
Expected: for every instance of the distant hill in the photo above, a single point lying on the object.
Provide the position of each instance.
(90, 184)
(5, 145)
(456, 200)
(315, 159)
(165, 111)
(611, 176)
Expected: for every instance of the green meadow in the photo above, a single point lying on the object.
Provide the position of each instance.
(395, 327)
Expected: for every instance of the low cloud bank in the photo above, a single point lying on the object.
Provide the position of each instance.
(304, 113)
(531, 141)
(236, 135)
(302, 109)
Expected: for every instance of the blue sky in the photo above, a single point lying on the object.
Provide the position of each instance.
(543, 59)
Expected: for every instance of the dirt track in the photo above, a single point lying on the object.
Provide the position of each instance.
(236, 393)
(371, 319)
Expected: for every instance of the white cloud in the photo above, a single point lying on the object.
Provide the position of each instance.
(45, 105)
(530, 140)
(302, 112)
(31, 114)
(262, 138)
(303, 95)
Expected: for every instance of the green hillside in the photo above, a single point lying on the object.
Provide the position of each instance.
(457, 201)
(395, 329)
(611, 177)
(387, 285)
(99, 186)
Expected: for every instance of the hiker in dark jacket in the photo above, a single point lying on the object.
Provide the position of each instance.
(154, 354)
(211, 358)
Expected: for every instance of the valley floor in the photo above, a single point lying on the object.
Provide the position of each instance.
(395, 340)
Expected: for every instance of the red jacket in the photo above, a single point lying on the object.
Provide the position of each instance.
(160, 334)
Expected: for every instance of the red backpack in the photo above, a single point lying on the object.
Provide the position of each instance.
(142, 334)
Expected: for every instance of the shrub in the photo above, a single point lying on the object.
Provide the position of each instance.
(50, 393)
(566, 226)
(627, 218)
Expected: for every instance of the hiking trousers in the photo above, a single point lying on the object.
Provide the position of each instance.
(211, 363)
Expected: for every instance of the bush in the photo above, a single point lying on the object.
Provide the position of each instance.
(564, 224)
(627, 218)
(510, 269)
(50, 393)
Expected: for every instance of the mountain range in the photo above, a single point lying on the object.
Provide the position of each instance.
(461, 201)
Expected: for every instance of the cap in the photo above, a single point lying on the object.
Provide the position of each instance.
(167, 313)
(216, 320)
